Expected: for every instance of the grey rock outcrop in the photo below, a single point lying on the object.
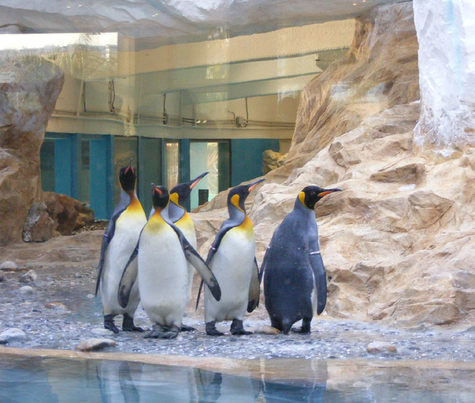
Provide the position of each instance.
(8, 265)
(29, 277)
(13, 335)
(38, 225)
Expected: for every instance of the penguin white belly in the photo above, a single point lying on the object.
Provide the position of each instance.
(314, 295)
(117, 255)
(162, 275)
(232, 266)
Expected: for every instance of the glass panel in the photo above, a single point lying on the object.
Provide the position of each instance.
(172, 163)
(125, 149)
(212, 157)
(47, 166)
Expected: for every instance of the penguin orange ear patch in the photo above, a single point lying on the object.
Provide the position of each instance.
(174, 198)
(235, 201)
(302, 197)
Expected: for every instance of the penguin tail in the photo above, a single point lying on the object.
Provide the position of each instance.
(286, 326)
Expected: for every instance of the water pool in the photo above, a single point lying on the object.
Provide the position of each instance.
(46, 379)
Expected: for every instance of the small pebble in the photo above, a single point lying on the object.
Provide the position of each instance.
(95, 344)
(26, 289)
(56, 305)
(378, 347)
(13, 334)
(29, 277)
(267, 330)
(8, 265)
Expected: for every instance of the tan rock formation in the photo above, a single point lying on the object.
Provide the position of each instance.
(68, 213)
(378, 72)
(27, 100)
(272, 160)
(398, 241)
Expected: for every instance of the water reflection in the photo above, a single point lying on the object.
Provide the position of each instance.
(26, 379)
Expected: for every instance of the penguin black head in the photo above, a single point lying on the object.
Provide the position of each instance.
(160, 197)
(238, 195)
(310, 195)
(127, 178)
(180, 193)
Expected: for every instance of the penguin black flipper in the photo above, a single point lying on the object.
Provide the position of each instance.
(108, 235)
(320, 276)
(199, 264)
(129, 276)
(227, 225)
(254, 288)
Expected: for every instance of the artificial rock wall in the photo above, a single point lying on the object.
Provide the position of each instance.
(398, 241)
(29, 87)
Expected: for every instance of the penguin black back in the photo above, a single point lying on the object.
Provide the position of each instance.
(294, 275)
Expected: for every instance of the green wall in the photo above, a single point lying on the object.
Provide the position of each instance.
(246, 158)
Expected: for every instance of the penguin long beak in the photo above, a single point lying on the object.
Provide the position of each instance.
(129, 166)
(155, 189)
(197, 179)
(252, 185)
(328, 191)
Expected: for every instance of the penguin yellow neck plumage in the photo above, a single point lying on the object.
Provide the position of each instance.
(134, 206)
(156, 222)
(246, 225)
(185, 220)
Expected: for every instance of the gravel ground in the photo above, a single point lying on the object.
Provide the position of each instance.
(61, 311)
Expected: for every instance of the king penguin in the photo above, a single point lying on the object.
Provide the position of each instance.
(162, 254)
(120, 239)
(232, 260)
(294, 276)
(176, 213)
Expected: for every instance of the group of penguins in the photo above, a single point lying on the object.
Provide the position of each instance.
(152, 262)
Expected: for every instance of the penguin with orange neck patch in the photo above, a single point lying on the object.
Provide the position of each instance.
(120, 239)
(162, 254)
(232, 260)
(294, 276)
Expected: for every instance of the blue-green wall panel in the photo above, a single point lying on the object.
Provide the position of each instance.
(63, 166)
(246, 158)
(149, 169)
(75, 164)
(100, 173)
